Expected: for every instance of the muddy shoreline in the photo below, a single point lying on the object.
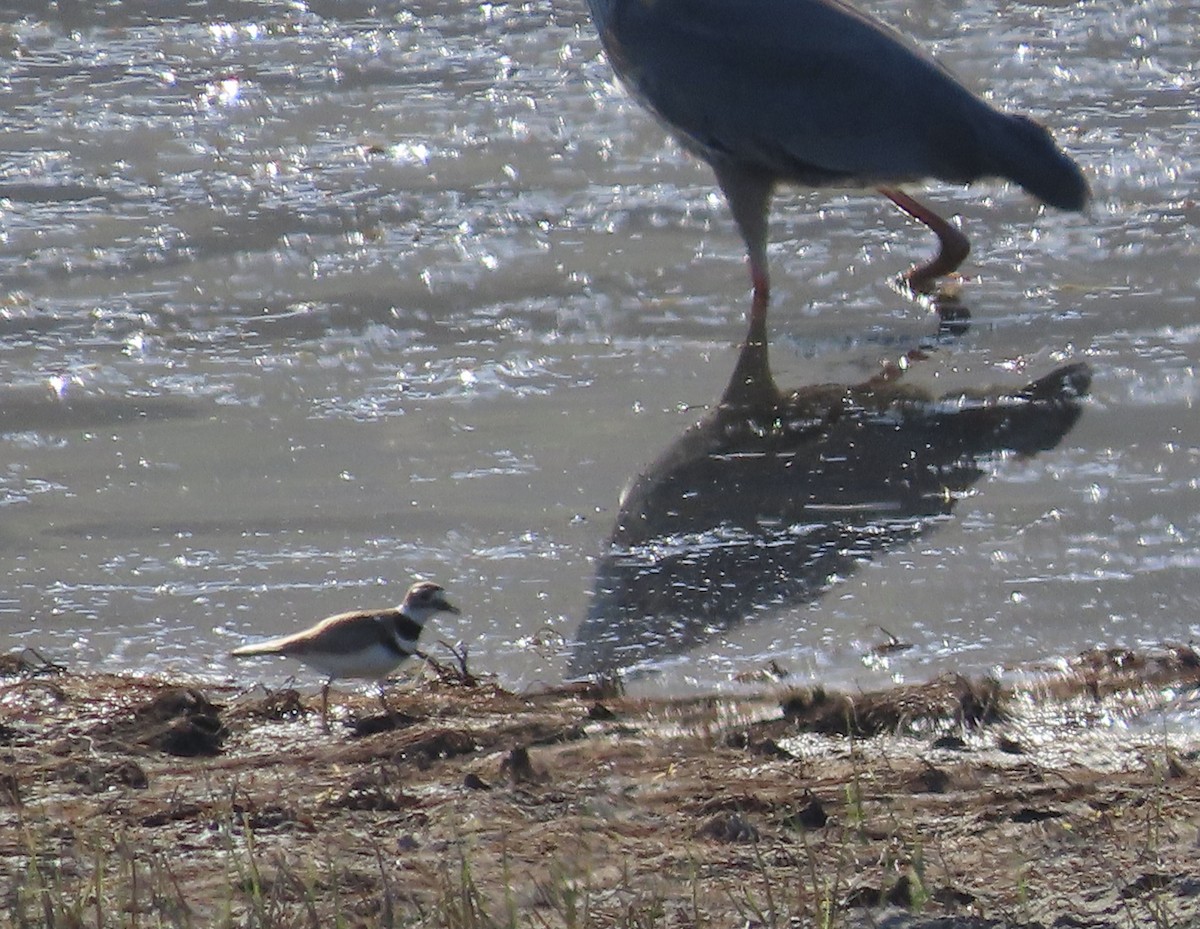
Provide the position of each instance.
(1070, 800)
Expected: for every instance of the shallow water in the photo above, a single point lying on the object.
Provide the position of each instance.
(301, 301)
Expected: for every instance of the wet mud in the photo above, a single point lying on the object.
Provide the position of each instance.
(1062, 797)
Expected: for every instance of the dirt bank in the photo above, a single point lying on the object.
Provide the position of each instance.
(1072, 800)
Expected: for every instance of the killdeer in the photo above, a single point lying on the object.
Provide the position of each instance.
(366, 644)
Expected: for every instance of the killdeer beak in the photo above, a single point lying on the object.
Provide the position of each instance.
(448, 607)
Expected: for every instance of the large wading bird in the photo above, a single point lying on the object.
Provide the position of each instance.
(816, 93)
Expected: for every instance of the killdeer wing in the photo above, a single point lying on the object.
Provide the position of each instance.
(344, 633)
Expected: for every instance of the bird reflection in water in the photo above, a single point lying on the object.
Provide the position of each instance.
(772, 495)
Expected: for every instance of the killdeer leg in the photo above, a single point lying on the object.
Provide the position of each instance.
(325, 704)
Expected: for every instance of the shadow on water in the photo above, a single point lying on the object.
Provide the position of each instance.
(774, 494)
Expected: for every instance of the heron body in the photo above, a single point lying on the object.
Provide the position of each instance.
(815, 93)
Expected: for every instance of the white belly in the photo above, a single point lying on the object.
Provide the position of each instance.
(374, 663)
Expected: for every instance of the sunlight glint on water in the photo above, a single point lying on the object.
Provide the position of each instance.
(302, 302)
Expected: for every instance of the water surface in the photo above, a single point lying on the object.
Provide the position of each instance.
(302, 301)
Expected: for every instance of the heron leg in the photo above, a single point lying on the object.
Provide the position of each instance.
(761, 285)
(749, 196)
(953, 246)
(758, 313)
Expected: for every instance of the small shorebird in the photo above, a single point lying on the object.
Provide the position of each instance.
(366, 644)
